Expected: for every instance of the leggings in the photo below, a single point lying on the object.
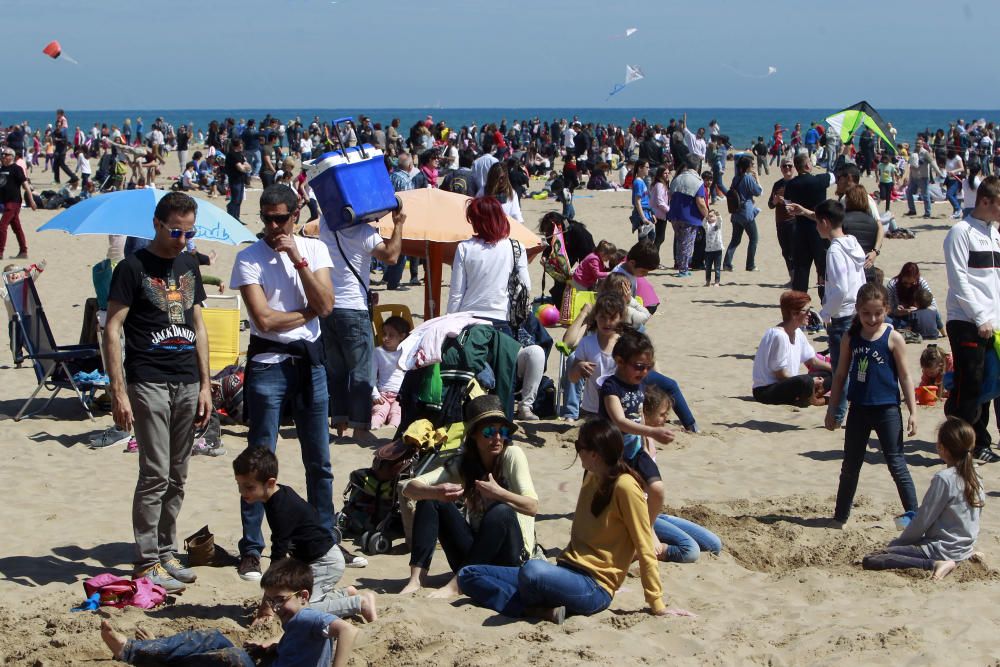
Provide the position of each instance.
(898, 558)
(686, 245)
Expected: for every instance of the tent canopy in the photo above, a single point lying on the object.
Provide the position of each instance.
(847, 122)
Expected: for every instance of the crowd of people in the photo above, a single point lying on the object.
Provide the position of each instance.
(312, 353)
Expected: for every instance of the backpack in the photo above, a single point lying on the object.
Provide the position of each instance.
(545, 399)
(517, 294)
(733, 202)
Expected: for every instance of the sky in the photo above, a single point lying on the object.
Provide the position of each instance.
(135, 54)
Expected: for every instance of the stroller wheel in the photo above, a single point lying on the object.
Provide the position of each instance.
(362, 542)
(378, 543)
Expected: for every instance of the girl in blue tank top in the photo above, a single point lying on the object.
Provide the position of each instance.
(877, 371)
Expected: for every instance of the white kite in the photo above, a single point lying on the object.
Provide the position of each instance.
(632, 74)
(771, 71)
(628, 33)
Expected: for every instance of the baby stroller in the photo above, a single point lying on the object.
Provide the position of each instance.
(372, 512)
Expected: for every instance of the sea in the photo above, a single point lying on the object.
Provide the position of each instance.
(742, 126)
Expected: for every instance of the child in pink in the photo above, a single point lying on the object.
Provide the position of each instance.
(388, 374)
(593, 267)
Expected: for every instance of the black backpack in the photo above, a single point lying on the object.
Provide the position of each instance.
(733, 202)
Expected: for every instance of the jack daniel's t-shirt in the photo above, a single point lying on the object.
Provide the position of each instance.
(159, 328)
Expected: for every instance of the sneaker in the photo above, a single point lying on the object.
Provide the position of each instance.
(205, 448)
(414, 281)
(111, 437)
(21, 255)
(249, 567)
(159, 576)
(132, 447)
(910, 214)
(185, 575)
(524, 413)
(985, 455)
(957, 215)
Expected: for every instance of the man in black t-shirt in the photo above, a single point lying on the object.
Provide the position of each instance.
(183, 138)
(808, 191)
(12, 182)
(163, 390)
(237, 173)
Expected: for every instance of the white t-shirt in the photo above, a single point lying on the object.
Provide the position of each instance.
(776, 352)
(589, 349)
(479, 277)
(273, 271)
(388, 374)
(512, 207)
(358, 242)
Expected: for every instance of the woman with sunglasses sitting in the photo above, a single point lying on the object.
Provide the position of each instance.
(496, 525)
(610, 526)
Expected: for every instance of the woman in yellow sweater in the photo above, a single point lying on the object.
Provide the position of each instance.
(610, 526)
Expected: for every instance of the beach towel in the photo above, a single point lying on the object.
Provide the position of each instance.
(120, 592)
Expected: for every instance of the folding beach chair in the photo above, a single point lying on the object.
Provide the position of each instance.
(382, 312)
(221, 314)
(54, 366)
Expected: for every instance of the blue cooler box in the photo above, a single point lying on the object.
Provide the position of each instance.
(352, 186)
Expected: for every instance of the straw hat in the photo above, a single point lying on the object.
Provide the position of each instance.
(486, 408)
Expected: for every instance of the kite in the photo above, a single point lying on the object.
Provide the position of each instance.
(628, 33)
(771, 71)
(54, 50)
(632, 73)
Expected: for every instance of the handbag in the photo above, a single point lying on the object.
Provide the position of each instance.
(517, 294)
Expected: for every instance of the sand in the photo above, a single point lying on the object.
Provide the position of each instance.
(785, 591)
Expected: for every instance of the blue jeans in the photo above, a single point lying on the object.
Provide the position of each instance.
(202, 647)
(253, 157)
(954, 185)
(349, 341)
(268, 390)
(887, 421)
(835, 333)
(235, 197)
(684, 539)
(572, 393)
(511, 590)
(918, 186)
(740, 225)
(673, 390)
(393, 274)
(718, 169)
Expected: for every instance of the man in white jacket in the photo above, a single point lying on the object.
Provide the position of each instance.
(972, 258)
(845, 274)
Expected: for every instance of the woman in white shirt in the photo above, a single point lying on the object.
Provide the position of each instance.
(781, 353)
(659, 201)
(969, 186)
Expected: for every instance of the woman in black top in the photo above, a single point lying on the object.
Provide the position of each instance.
(859, 223)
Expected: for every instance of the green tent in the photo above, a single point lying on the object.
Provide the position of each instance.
(847, 122)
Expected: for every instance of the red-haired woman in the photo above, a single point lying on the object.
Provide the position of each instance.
(483, 265)
(780, 355)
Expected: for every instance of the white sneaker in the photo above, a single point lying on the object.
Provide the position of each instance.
(525, 414)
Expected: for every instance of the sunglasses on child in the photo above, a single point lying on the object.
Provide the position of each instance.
(490, 431)
(640, 367)
(177, 233)
(276, 601)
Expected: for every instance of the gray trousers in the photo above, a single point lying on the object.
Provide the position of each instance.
(327, 570)
(164, 416)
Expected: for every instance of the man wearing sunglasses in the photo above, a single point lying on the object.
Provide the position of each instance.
(162, 390)
(285, 282)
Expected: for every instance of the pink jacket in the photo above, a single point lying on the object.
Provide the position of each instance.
(589, 271)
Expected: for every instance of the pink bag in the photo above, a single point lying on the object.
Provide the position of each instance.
(120, 592)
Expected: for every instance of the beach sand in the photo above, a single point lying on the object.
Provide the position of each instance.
(785, 591)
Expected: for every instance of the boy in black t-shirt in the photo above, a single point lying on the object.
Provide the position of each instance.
(163, 387)
(298, 531)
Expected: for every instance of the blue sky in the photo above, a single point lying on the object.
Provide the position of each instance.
(510, 53)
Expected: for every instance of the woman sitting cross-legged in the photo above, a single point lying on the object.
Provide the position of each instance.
(491, 477)
(610, 526)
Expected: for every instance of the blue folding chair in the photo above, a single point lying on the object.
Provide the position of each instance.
(54, 365)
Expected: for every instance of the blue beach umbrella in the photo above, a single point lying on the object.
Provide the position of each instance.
(130, 212)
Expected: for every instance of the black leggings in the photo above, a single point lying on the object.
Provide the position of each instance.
(797, 390)
(497, 542)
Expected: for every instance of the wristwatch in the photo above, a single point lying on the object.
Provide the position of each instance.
(301, 264)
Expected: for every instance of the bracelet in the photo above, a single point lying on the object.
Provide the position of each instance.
(301, 264)
(877, 252)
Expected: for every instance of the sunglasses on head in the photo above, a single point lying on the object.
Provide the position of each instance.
(275, 218)
(177, 233)
(490, 431)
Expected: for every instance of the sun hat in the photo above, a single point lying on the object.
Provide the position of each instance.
(486, 408)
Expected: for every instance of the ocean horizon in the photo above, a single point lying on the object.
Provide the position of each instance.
(742, 125)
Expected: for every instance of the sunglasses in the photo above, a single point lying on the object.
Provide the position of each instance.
(640, 367)
(275, 218)
(277, 601)
(177, 233)
(490, 431)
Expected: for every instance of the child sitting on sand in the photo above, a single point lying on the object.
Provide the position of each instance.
(592, 357)
(945, 527)
(622, 395)
(307, 640)
(925, 320)
(297, 530)
(934, 363)
(683, 540)
(388, 374)
(594, 266)
(874, 356)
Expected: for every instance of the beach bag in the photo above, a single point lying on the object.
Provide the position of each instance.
(545, 399)
(517, 294)
(733, 203)
(120, 592)
(557, 264)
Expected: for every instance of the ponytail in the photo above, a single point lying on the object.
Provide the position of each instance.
(958, 438)
(604, 438)
(602, 498)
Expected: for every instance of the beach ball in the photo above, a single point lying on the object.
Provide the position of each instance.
(548, 315)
